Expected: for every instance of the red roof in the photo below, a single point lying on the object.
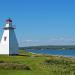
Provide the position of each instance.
(9, 20)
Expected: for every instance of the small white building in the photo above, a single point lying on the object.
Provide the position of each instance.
(8, 43)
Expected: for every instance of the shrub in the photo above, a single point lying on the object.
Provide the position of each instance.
(14, 66)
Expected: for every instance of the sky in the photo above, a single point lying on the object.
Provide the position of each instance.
(40, 22)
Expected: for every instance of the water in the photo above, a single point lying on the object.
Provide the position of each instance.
(70, 53)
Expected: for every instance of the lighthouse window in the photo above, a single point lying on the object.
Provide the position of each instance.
(5, 38)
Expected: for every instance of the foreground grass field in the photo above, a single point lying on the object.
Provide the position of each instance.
(39, 64)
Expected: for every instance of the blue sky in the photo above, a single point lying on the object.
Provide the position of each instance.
(41, 22)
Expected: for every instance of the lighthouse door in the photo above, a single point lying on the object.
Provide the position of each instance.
(5, 38)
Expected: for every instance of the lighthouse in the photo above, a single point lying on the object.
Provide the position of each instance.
(8, 43)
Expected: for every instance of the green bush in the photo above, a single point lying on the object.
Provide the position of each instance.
(14, 66)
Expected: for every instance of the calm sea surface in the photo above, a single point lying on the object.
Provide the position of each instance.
(70, 53)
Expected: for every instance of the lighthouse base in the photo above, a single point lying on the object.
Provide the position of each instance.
(5, 50)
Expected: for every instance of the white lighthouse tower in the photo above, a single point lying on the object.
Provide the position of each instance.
(8, 43)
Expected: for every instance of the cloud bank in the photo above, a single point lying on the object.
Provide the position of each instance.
(51, 41)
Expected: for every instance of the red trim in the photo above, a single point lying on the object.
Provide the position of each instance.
(9, 20)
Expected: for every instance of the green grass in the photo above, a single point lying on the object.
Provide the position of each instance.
(39, 64)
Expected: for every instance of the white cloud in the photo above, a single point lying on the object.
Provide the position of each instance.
(28, 40)
(51, 41)
(31, 40)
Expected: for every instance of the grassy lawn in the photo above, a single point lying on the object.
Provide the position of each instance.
(38, 64)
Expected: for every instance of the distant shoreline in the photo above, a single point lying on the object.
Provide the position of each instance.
(51, 47)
